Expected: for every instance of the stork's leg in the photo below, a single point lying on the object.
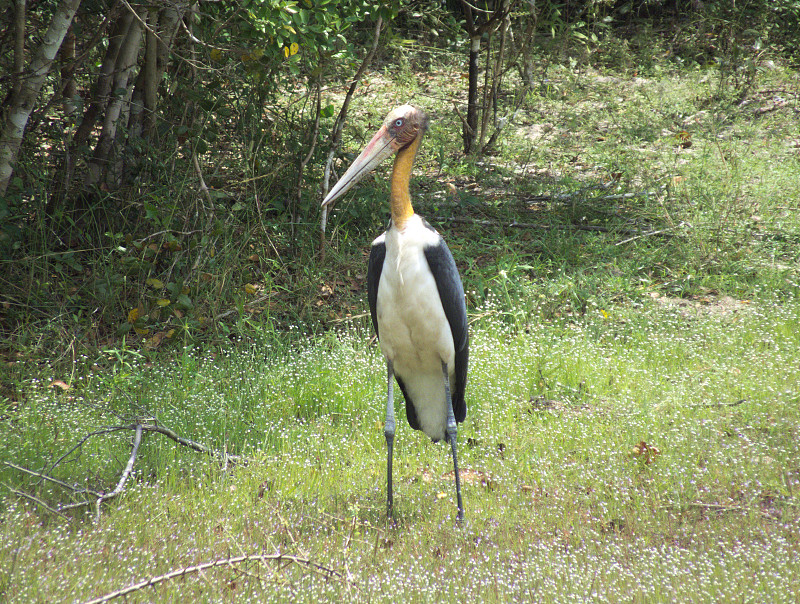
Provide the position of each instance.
(452, 432)
(388, 431)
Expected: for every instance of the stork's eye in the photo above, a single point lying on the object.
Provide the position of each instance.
(398, 122)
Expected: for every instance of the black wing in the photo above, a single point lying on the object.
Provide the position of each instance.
(451, 293)
(376, 257)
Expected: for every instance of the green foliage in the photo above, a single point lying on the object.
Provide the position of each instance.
(287, 37)
(606, 153)
(777, 22)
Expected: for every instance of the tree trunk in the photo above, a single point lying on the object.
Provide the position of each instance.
(477, 22)
(161, 29)
(496, 70)
(143, 101)
(168, 25)
(23, 102)
(485, 98)
(101, 92)
(19, 46)
(471, 127)
(151, 76)
(69, 88)
(126, 60)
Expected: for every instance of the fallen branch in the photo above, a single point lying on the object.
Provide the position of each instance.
(202, 181)
(647, 234)
(722, 508)
(37, 501)
(61, 483)
(717, 507)
(548, 227)
(518, 225)
(718, 404)
(79, 444)
(186, 442)
(137, 440)
(250, 305)
(328, 573)
(780, 104)
(583, 192)
(462, 118)
(98, 497)
(172, 231)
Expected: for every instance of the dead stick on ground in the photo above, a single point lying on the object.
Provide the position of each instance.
(634, 238)
(37, 501)
(202, 182)
(48, 478)
(98, 497)
(198, 568)
(77, 446)
(137, 440)
(718, 404)
(170, 231)
(717, 507)
(547, 227)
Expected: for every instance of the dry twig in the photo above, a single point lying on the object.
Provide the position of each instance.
(719, 404)
(326, 572)
(97, 497)
(137, 440)
(647, 234)
(36, 500)
(336, 133)
(547, 227)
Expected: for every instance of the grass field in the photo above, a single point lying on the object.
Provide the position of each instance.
(630, 257)
(560, 505)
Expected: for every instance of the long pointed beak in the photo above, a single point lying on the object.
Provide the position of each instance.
(379, 148)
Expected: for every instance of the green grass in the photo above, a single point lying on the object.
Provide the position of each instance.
(558, 507)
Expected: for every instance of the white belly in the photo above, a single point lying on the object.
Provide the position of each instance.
(414, 332)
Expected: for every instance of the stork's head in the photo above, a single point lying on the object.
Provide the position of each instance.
(403, 126)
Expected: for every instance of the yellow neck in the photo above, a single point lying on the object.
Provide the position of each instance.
(400, 198)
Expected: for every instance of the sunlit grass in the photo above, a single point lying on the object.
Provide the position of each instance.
(561, 509)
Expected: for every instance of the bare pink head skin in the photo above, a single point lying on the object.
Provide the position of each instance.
(402, 126)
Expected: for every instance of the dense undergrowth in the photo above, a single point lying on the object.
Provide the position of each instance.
(637, 165)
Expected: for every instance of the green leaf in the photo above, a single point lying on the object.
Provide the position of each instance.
(184, 302)
(124, 328)
(150, 211)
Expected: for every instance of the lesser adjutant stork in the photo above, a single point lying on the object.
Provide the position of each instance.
(415, 297)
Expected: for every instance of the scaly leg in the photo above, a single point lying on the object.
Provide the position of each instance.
(452, 432)
(388, 431)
